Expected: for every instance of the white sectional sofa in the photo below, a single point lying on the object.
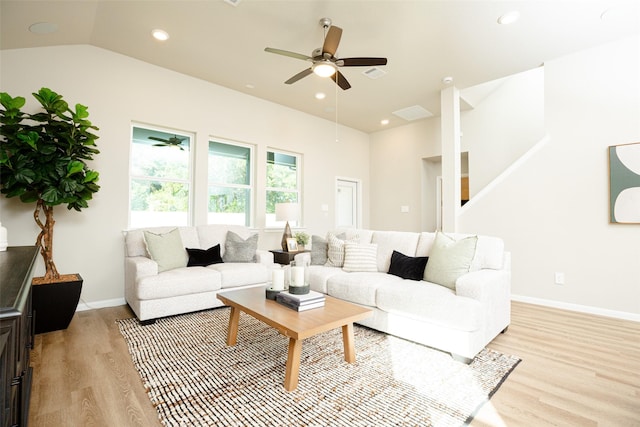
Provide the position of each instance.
(460, 317)
(153, 289)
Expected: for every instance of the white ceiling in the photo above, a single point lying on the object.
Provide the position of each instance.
(424, 41)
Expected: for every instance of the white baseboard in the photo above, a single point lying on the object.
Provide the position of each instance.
(83, 305)
(624, 315)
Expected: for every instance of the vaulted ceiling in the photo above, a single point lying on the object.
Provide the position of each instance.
(223, 41)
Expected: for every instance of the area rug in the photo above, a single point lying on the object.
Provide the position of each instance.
(193, 378)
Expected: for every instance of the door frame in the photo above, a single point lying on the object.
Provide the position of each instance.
(357, 196)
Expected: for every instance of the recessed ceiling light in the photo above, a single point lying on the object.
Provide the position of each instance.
(384, 122)
(161, 35)
(43, 28)
(249, 86)
(509, 18)
(447, 80)
(320, 95)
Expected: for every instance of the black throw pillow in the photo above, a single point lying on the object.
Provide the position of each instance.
(202, 258)
(407, 267)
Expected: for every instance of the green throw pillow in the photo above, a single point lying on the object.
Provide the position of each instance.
(166, 249)
(449, 259)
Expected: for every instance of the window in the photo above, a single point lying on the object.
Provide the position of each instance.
(160, 177)
(230, 191)
(283, 184)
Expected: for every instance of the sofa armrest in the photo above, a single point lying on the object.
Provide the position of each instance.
(136, 267)
(485, 285)
(264, 257)
(303, 258)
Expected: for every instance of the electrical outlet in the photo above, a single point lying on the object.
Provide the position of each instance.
(559, 278)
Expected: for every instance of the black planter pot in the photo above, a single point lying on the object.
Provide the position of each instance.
(54, 304)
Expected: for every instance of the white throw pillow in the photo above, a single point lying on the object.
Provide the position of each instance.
(360, 257)
(449, 259)
(166, 249)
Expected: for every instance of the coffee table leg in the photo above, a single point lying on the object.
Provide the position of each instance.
(347, 339)
(293, 365)
(232, 334)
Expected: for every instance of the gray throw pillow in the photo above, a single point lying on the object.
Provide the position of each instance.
(318, 250)
(237, 249)
(166, 249)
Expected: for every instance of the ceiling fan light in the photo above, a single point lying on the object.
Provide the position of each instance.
(324, 69)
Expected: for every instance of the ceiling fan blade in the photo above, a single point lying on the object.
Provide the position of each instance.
(287, 53)
(340, 80)
(301, 74)
(332, 40)
(155, 138)
(361, 62)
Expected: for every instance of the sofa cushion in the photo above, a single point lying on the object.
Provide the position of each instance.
(240, 274)
(449, 259)
(179, 281)
(360, 257)
(166, 249)
(359, 288)
(407, 267)
(389, 241)
(317, 275)
(204, 257)
(424, 243)
(335, 251)
(238, 249)
(431, 303)
(489, 253)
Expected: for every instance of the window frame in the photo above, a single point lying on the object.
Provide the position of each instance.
(189, 181)
(299, 158)
(250, 217)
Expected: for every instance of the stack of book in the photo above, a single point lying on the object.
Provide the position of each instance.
(301, 302)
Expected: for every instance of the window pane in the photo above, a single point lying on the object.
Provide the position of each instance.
(282, 171)
(159, 203)
(230, 191)
(229, 164)
(159, 178)
(229, 205)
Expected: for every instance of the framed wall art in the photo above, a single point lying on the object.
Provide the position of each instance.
(624, 183)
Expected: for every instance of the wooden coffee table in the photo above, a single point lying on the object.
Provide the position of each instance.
(290, 323)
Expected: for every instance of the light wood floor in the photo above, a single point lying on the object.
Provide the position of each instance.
(577, 370)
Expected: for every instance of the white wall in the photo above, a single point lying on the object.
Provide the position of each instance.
(553, 210)
(552, 207)
(119, 90)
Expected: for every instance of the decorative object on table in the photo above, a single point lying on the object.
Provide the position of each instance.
(624, 183)
(4, 243)
(286, 212)
(298, 283)
(302, 239)
(423, 387)
(45, 157)
(292, 244)
(271, 293)
(304, 302)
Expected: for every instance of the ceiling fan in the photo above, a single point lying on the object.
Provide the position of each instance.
(324, 62)
(174, 141)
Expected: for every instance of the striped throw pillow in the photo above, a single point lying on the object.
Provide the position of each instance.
(360, 257)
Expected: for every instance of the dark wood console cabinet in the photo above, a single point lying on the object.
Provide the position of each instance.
(16, 333)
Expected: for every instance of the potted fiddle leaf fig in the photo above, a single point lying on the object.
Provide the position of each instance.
(43, 160)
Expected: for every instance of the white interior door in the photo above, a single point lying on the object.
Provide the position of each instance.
(347, 203)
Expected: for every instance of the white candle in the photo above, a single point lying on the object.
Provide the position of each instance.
(277, 279)
(297, 276)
